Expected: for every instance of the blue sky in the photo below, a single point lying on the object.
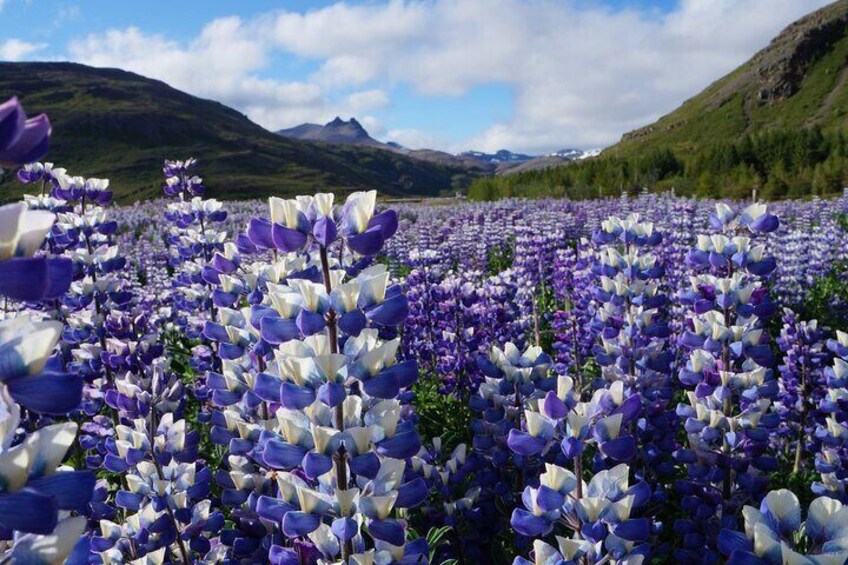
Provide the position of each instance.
(529, 75)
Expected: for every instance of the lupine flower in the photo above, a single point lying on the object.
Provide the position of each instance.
(727, 415)
(513, 379)
(802, 383)
(775, 533)
(832, 433)
(600, 515)
(23, 274)
(179, 180)
(34, 493)
(22, 140)
(286, 388)
(212, 357)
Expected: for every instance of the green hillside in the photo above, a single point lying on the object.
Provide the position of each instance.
(119, 125)
(800, 80)
(776, 124)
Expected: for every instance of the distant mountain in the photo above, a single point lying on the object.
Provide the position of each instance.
(337, 131)
(575, 154)
(303, 131)
(561, 157)
(449, 159)
(501, 162)
(351, 132)
(120, 125)
(506, 162)
(497, 158)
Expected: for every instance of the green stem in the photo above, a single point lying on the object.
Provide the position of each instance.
(340, 458)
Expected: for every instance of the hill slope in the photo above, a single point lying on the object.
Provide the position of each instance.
(777, 125)
(119, 125)
(799, 80)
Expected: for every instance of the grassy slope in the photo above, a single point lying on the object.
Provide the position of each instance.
(115, 124)
(730, 107)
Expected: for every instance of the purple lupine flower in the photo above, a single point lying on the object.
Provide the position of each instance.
(775, 533)
(729, 375)
(22, 140)
(320, 326)
(832, 430)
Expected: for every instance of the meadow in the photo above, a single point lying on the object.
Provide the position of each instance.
(642, 379)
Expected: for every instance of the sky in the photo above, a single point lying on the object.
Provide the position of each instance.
(533, 76)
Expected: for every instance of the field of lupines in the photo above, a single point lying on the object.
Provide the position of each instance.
(318, 380)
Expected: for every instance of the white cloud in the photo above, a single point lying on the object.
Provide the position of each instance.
(415, 139)
(223, 63)
(580, 76)
(366, 100)
(374, 126)
(18, 50)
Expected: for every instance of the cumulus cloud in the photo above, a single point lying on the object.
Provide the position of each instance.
(18, 50)
(220, 63)
(367, 100)
(417, 139)
(581, 76)
(225, 63)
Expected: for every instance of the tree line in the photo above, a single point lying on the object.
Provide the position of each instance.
(778, 163)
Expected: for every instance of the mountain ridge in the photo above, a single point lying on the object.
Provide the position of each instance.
(503, 161)
(120, 125)
(351, 132)
(336, 131)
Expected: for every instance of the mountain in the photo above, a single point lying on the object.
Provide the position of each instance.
(561, 157)
(799, 80)
(575, 154)
(501, 162)
(351, 132)
(777, 126)
(120, 125)
(449, 159)
(506, 162)
(336, 131)
(303, 131)
(497, 158)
